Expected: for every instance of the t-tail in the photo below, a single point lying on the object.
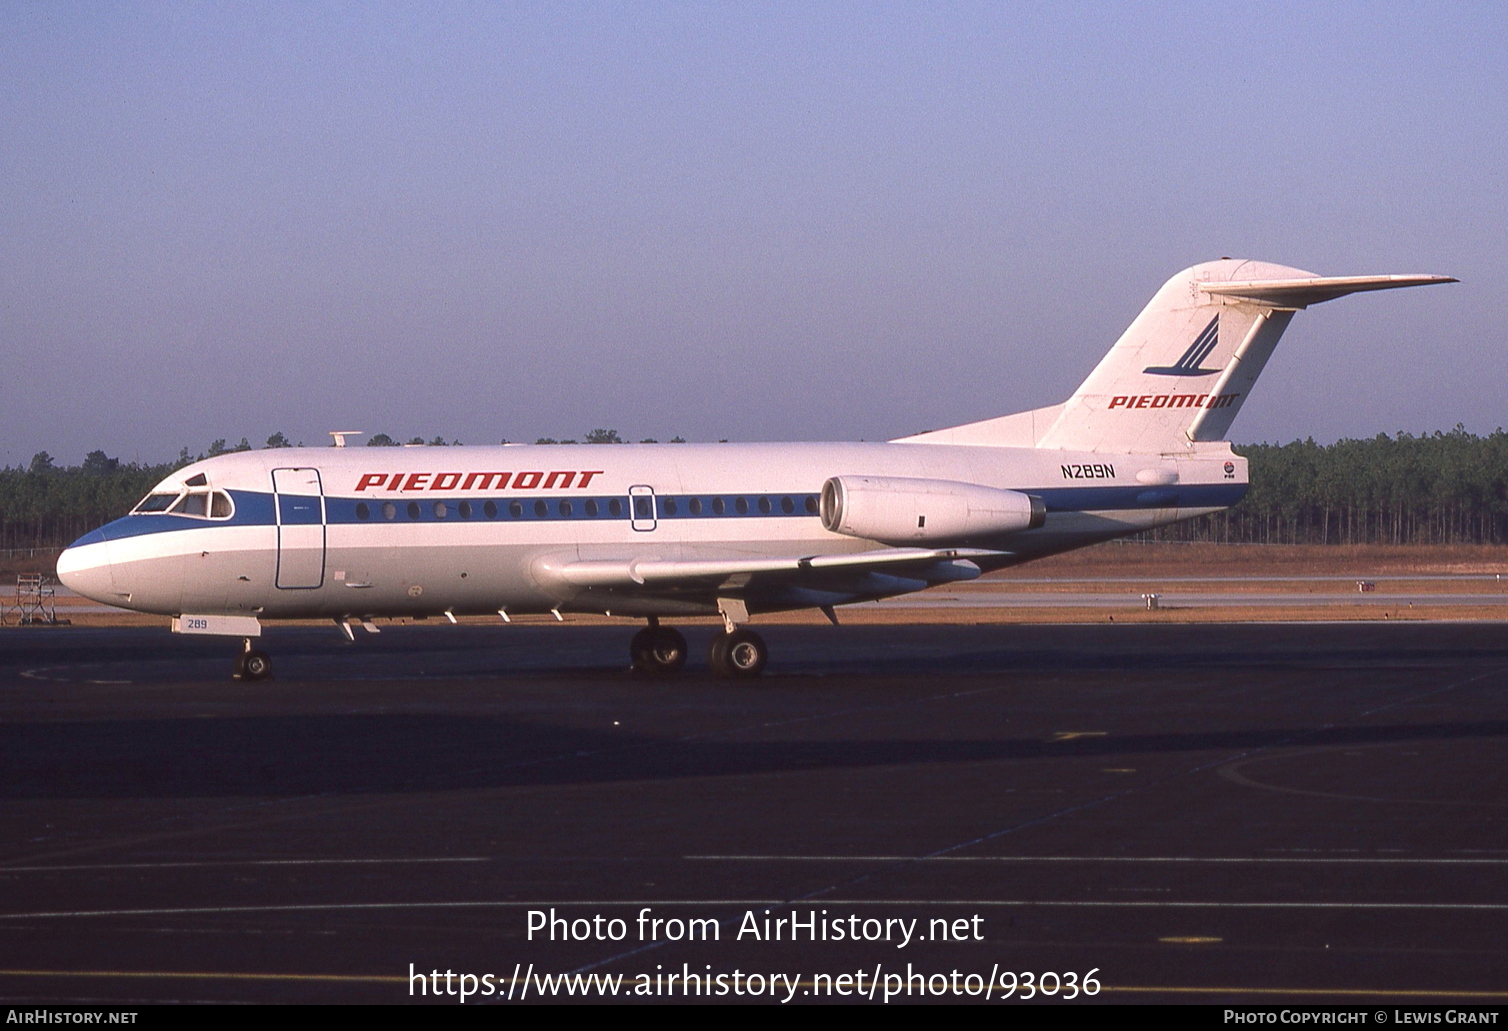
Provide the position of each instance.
(1180, 374)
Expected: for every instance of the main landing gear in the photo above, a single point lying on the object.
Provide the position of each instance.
(658, 650)
(252, 663)
(739, 653)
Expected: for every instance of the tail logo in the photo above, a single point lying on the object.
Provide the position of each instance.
(1198, 351)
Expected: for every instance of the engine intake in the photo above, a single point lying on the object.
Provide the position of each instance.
(895, 509)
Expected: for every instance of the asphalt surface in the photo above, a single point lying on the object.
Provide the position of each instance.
(1307, 813)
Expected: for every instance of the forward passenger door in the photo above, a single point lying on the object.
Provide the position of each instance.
(299, 500)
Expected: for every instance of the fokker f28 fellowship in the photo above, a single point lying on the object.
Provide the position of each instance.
(655, 532)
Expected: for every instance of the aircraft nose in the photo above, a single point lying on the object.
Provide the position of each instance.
(84, 568)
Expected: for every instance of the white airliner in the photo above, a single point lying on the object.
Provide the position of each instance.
(657, 531)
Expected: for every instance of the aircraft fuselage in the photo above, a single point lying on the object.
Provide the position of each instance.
(367, 532)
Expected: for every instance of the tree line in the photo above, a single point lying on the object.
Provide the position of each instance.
(1440, 488)
(1436, 488)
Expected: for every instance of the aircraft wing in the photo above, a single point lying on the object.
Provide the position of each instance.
(934, 564)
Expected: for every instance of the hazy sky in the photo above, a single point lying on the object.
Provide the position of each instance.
(752, 221)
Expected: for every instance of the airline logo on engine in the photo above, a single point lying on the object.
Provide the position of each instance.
(1173, 400)
(560, 479)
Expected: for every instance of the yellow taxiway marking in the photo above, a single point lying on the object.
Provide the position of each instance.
(1070, 735)
(1190, 940)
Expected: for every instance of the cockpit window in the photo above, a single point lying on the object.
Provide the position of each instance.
(156, 503)
(196, 504)
(201, 503)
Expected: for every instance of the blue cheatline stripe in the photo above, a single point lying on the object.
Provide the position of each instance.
(715, 506)
(253, 508)
(574, 507)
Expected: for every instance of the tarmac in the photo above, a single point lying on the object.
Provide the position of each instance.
(1172, 813)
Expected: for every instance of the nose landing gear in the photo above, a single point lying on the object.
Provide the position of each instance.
(252, 663)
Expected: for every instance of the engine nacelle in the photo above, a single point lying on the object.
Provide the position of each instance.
(898, 510)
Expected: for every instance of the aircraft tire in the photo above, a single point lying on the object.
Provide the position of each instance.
(740, 655)
(254, 665)
(658, 650)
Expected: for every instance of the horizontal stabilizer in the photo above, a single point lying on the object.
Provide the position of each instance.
(1300, 293)
(667, 572)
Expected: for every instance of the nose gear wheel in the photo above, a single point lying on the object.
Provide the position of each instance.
(253, 664)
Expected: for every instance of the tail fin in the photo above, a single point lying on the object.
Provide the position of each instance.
(1182, 370)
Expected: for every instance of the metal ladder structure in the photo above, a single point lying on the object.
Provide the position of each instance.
(35, 603)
